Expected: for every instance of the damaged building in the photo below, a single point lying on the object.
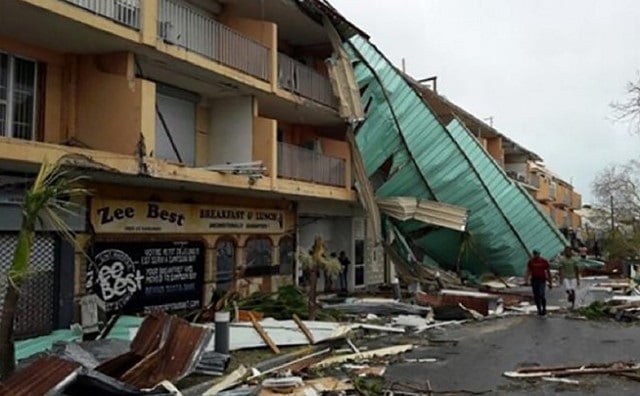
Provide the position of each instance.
(220, 137)
(212, 140)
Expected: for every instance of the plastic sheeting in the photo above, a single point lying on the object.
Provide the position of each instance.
(408, 152)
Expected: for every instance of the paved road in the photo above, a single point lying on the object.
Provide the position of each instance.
(487, 349)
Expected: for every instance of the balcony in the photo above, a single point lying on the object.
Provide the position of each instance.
(576, 201)
(125, 12)
(534, 180)
(189, 28)
(301, 79)
(299, 163)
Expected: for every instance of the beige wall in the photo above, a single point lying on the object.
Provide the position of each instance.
(266, 33)
(202, 135)
(113, 108)
(494, 147)
(265, 144)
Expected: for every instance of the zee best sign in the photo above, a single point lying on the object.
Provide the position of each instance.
(119, 216)
(133, 277)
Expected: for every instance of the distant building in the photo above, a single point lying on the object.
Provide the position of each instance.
(555, 197)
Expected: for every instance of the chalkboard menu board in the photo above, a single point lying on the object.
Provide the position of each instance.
(145, 276)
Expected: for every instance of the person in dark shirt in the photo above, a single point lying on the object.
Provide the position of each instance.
(539, 274)
(344, 262)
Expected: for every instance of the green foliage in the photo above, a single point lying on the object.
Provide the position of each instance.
(619, 246)
(596, 311)
(369, 386)
(288, 300)
(51, 195)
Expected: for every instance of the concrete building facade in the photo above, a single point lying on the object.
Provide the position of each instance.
(212, 140)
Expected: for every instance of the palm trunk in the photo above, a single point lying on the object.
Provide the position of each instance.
(15, 277)
(7, 349)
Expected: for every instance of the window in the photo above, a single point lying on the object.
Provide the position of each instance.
(225, 263)
(286, 253)
(359, 262)
(258, 252)
(17, 97)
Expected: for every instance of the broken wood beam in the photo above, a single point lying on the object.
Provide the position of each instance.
(612, 368)
(263, 334)
(303, 328)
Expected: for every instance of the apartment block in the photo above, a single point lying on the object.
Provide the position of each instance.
(212, 138)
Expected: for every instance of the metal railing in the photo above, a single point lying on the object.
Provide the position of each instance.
(186, 26)
(126, 12)
(299, 163)
(301, 79)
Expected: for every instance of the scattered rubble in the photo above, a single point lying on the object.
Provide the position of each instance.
(163, 354)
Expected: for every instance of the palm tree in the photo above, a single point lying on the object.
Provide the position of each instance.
(51, 195)
(313, 262)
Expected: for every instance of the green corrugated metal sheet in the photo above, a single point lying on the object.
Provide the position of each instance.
(446, 164)
(32, 346)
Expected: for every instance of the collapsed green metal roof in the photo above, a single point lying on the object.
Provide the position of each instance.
(408, 152)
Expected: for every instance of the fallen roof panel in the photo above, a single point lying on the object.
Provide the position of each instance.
(425, 211)
(44, 376)
(446, 164)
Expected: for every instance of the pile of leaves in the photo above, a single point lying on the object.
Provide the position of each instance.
(288, 300)
(598, 310)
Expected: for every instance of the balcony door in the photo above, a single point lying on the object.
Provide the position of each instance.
(176, 126)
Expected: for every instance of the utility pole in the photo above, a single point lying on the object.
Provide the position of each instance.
(613, 226)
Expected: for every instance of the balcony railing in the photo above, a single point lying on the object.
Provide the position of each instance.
(299, 163)
(126, 12)
(185, 26)
(299, 78)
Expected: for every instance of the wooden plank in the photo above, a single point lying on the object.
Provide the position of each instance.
(263, 334)
(303, 328)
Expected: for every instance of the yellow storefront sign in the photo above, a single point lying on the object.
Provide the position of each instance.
(124, 217)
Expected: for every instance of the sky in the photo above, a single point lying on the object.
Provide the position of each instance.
(546, 71)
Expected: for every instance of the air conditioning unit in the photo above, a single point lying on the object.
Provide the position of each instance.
(168, 32)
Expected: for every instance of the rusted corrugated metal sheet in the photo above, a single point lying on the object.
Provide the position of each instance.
(165, 348)
(44, 376)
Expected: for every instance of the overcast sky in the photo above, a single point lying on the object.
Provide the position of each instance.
(546, 71)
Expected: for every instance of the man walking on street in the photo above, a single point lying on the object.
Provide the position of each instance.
(569, 275)
(539, 274)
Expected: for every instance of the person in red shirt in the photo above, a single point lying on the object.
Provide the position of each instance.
(539, 274)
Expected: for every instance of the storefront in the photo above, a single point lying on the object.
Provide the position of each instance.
(148, 254)
(46, 297)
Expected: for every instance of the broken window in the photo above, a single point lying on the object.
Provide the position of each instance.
(225, 263)
(258, 252)
(286, 253)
